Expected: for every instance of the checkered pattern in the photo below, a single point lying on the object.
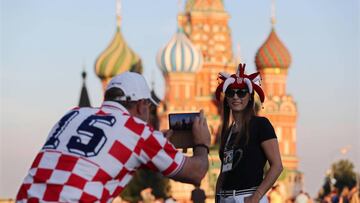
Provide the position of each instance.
(58, 175)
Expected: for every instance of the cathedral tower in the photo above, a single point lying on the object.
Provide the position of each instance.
(272, 61)
(190, 63)
(206, 24)
(84, 100)
(180, 61)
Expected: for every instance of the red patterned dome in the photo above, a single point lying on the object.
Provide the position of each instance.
(273, 53)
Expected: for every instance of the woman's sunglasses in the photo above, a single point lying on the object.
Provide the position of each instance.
(241, 93)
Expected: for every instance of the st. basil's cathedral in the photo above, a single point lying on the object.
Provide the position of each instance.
(190, 63)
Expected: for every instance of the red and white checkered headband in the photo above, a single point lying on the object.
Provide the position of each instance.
(238, 81)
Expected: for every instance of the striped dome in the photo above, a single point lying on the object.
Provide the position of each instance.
(179, 55)
(273, 53)
(117, 58)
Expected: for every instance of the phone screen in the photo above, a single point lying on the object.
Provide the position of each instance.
(182, 121)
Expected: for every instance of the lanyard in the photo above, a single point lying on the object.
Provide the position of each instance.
(227, 162)
(229, 136)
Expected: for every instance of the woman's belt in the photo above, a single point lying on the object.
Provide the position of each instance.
(228, 193)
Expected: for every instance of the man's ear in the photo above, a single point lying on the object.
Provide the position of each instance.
(138, 107)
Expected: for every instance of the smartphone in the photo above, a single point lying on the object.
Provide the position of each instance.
(181, 124)
(182, 121)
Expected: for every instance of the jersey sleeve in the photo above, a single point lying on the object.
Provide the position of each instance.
(266, 130)
(160, 155)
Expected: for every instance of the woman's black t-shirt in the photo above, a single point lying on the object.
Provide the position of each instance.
(249, 171)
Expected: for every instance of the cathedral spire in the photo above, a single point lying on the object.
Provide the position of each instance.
(273, 19)
(84, 96)
(273, 59)
(118, 13)
(180, 5)
(180, 17)
(118, 57)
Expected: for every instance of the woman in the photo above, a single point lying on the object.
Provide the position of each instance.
(247, 142)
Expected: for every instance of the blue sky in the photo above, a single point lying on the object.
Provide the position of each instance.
(45, 44)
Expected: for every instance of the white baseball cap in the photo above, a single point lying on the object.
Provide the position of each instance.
(133, 85)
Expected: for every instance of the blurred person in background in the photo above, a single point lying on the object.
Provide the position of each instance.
(275, 195)
(354, 195)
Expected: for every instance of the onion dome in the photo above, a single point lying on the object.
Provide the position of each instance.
(117, 58)
(179, 55)
(205, 5)
(273, 53)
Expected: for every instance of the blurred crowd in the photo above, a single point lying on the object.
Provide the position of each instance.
(275, 196)
(346, 195)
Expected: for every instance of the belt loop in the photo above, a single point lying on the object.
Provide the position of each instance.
(233, 193)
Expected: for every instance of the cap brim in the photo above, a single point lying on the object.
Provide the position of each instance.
(154, 102)
(154, 99)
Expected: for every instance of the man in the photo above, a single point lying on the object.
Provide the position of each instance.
(92, 153)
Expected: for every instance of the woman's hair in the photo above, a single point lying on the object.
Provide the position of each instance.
(248, 113)
(114, 94)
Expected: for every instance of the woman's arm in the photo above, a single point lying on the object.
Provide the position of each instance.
(271, 149)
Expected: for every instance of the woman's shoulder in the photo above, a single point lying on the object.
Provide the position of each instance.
(264, 128)
(260, 120)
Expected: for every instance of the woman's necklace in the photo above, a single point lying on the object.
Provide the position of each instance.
(236, 127)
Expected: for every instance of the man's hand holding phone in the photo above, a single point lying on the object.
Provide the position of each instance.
(189, 129)
(200, 130)
(197, 137)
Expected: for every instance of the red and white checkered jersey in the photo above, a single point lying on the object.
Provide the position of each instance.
(91, 154)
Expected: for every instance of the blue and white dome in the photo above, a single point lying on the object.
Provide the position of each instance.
(179, 55)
